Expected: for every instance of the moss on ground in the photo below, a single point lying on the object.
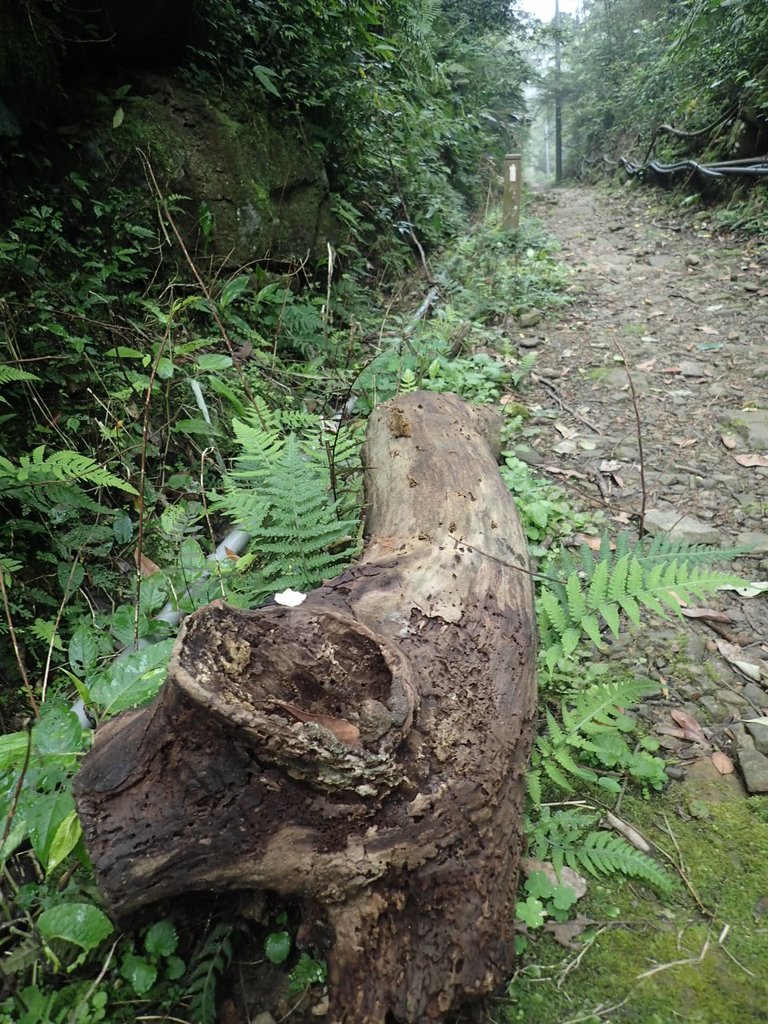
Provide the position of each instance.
(720, 934)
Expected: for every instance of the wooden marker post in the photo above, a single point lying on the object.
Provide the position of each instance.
(510, 216)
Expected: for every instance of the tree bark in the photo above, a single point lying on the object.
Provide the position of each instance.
(363, 753)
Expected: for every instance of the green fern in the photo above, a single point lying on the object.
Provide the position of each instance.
(209, 961)
(280, 493)
(10, 374)
(37, 470)
(592, 594)
(592, 733)
(569, 838)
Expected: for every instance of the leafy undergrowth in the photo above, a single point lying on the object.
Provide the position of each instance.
(275, 449)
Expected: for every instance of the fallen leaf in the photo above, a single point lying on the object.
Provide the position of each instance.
(706, 613)
(706, 330)
(622, 517)
(565, 431)
(722, 762)
(729, 440)
(758, 721)
(751, 667)
(145, 565)
(630, 834)
(685, 442)
(671, 369)
(748, 589)
(688, 723)
(571, 474)
(751, 460)
(647, 365)
(567, 877)
(565, 933)
(610, 465)
(340, 727)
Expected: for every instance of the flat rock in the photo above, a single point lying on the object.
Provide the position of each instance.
(680, 527)
(754, 768)
(759, 734)
(755, 540)
(752, 424)
(530, 318)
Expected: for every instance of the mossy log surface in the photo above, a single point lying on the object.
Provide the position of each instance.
(363, 753)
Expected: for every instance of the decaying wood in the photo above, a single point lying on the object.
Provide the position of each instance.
(362, 753)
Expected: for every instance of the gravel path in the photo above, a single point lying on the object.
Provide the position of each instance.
(669, 324)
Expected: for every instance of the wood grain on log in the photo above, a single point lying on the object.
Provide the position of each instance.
(363, 753)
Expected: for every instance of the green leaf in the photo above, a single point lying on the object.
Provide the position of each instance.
(161, 939)
(122, 527)
(70, 576)
(83, 651)
(139, 974)
(44, 817)
(232, 290)
(58, 730)
(133, 679)
(66, 839)
(80, 923)
(118, 118)
(13, 749)
(530, 912)
(277, 947)
(175, 968)
(211, 361)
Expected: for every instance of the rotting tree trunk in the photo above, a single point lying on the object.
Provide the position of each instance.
(363, 753)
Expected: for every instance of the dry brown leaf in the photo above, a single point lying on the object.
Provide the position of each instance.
(691, 728)
(624, 829)
(565, 933)
(233, 555)
(722, 762)
(568, 876)
(706, 613)
(751, 459)
(729, 440)
(647, 365)
(145, 565)
(752, 667)
(671, 369)
(706, 330)
(685, 442)
(340, 727)
(569, 473)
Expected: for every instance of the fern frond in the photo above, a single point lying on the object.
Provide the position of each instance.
(209, 961)
(603, 853)
(591, 594)
(9, 374)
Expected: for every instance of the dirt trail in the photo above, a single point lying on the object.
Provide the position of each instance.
(689, 312)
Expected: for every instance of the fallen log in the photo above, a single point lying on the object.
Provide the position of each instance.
(364, 753)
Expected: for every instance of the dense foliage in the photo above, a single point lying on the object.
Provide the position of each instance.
(695, 65)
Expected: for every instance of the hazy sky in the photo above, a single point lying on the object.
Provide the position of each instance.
(545, 9)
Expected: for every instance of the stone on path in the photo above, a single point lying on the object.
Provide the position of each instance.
(680, 526)
(754, 766)
(750, 423)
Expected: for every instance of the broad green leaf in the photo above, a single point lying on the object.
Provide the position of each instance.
(161, 939)
(133, 679)
(122, 527)
(277, 947)
(83, 651)
(140, 974)
(44, 817)
(233, 289)
(118, 118)
(210, 361)
(65, 840)
(13, 749)
(81, 924)
(58, 731)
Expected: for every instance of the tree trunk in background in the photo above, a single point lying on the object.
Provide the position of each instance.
(363, 753)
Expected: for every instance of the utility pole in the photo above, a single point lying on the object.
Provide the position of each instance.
(558, 105)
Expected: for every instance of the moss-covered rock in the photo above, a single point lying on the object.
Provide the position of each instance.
(261, 188)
